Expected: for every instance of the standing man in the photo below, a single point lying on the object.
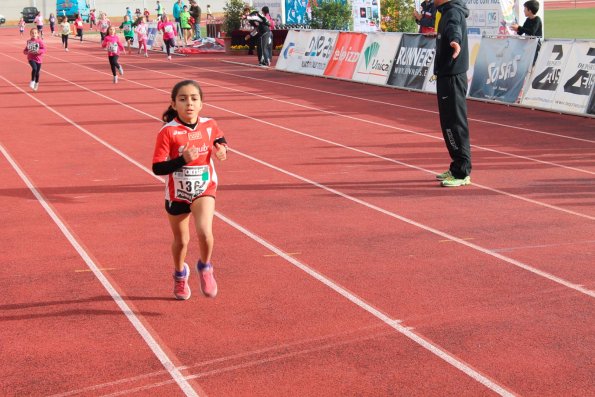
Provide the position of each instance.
(195, 12)
(450, 68)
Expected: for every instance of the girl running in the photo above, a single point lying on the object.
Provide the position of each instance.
(34, 50)
(38, 21)
(52, 24)
(128, 30)
(103, 25)
(169, 34)
(183, 151)
(114, 47)
(65, 31)
(78, 24)
(21, 27)
(141, 33)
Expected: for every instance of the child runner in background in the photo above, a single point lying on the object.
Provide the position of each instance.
(34, 50)
(141, 33)
(92, 21)
(52, 23)
(169, 34)
(103, 25)
(38, 21)
(22, 26)
(65, 31)
(128, 30)
(114, 47)
(78, 24)
(184, 151)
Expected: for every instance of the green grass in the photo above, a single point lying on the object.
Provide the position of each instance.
(570, 24)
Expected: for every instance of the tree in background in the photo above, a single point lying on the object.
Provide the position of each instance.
(397, 16)
(331, 15)
(232, 15)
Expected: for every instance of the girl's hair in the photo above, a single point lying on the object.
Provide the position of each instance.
(171, 113)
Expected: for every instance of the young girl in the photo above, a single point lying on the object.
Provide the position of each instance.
(169, 34)
(22, 26)
(38, 21)
(114, 47)
(78, 24)
(103, 25)
(52, 23)
(183, 151)
(34, 50)
(185, 25)
(141, 33)
(92, 21)
(65, 31)
(128, 30)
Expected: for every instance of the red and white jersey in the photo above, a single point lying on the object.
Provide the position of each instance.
(199, 177)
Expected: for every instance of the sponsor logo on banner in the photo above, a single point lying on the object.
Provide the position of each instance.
(346, 55)
(376, 63)
(293, 51)
(545, 79)
(501, 67)
(289, 50)
(318, 51)
(591, 107)
(578, 77)
(413, 61)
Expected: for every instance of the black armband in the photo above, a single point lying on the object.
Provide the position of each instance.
(169, 166)
(220, 141)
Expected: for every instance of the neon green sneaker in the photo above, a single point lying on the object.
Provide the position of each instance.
(453, 182)
(444, 175)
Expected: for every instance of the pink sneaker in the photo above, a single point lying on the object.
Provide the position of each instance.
(208, 285)
(181, 287)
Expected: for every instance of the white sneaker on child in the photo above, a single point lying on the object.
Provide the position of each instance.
(32, 84)
(121, 71)
(35, 86)
(115, 79)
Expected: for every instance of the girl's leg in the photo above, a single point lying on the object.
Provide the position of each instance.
(180, 226)
(113, 61)
(168, 46)
(33, 70)
(203, 210)
(37, 70)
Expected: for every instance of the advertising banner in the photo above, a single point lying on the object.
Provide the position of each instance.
(292, 52)
(577, 79)
(377, 58)
(501, 67)
(275, 9)
(545, 78)
(347, 52)
(412, 62)
(320, 45)
(591, 107)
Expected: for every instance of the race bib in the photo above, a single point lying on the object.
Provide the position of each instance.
(191, 182)
(112, 47)
(142, 30)
(168, 29)
(79, 24)
(127, 28)
(32, 47)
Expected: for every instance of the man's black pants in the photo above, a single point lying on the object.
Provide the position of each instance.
(452, 106)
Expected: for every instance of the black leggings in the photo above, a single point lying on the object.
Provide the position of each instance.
(35, 69)
(168, 44)
(113, 62)
(65, 40)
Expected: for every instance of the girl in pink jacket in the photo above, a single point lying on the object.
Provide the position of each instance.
(114, 47)
(169, 34)
(34, 50)
(141, 32)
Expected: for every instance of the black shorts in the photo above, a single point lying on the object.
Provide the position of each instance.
(129, 39)
(179, 207)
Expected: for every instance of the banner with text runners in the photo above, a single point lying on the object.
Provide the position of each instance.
(412, 61)
(377, 58)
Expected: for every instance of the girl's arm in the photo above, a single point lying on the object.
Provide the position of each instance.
(41, 50)
(120, 45)
(169, 166)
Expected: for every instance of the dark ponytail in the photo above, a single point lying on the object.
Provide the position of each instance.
(171, 113)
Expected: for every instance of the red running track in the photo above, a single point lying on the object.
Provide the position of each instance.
(344, 269)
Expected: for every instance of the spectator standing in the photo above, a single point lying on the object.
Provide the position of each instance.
(195, 12)
(185, 24)
(209, 13)
(262, 33)
(426, 17)
(177, 10)
(159, 11)
(532, 25)
(450, 68)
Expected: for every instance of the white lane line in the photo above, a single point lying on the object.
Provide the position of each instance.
(134, 320)
(180, 379)
(494, 190)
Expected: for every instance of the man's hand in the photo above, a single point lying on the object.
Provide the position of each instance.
(456, 49)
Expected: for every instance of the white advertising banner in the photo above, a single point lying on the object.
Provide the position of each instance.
(292, 52)
(578, 77)
(319, 45)
(376, 62)
(366, 15)
(545, 78)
